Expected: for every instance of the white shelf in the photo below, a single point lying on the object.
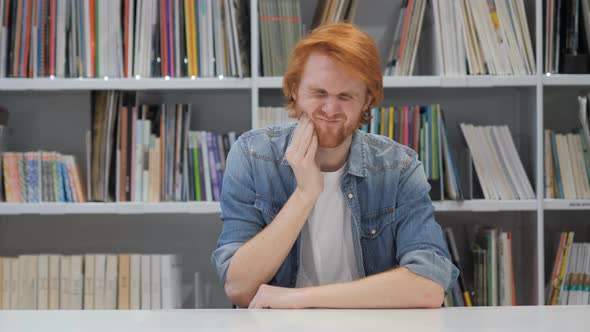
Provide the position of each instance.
(214, 207)
(565, 80)
(73, 84)
(567, 204)
(430, 81)
(110, 208)
(481, 205)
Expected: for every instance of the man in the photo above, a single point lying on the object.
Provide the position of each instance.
(321, 214)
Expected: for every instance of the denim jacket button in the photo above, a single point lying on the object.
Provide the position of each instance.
(350, 196)
(373, 232)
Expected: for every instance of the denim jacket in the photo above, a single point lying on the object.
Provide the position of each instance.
(385, 187)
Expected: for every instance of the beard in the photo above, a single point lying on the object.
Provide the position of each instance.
(333, 135)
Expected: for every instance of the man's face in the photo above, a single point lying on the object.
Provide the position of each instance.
(332, 98)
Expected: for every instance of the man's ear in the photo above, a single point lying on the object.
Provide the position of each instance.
(294, 92)
(368, 103)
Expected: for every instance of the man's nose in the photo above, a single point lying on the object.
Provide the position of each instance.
(330, 106)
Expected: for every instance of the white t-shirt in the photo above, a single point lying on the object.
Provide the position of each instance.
(326, 251)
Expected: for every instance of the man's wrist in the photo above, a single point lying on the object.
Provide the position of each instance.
(307, 200)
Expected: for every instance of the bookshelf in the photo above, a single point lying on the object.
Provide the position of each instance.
(42, 107)
(85, 84)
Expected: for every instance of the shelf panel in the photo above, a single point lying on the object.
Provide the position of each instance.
(110, 208)
(482, 205)
(565, 80)
(214, 207)
(430, 81)
(73, 84)
(567, 204)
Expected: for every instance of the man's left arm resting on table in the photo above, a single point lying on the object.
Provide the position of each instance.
(425, 270)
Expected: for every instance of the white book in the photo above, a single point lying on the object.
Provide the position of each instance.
(524, 32)
(506, 289)
(517, 163)
(138, 172)
(506, 164)
(218, 39)
(54, 281)
(89, 265)
(230, 6)
(477, 153)
(146, 283)
(156, 285)
(64, 283)
(22, 282)
(14, 285)
(30, 278)
(135, 282)
(77, 280)
(43, 283)
(210, 38)
(100, 262)
(3, 49)
(586, 298)
(131, 41)
(60, 38)
(199, 294)
(176, 281)
(166, 282)
(6, 273)
(110, 298)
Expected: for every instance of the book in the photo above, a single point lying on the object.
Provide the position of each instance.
(123, 38)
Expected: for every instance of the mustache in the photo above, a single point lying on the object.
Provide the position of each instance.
(323, 115)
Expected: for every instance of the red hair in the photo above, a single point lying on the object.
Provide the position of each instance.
(345, 44)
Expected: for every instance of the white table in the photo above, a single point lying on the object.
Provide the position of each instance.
(561, 319)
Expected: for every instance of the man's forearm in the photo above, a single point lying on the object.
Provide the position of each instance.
(258, 260)
(398, 288)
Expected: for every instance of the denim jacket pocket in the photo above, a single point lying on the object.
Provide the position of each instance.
(373, 224)
(269, 207)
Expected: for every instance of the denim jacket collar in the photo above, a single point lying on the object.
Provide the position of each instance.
(357, 162)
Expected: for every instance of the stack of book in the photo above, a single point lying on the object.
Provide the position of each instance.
(498, 166)
(332, 11)
(280, 29)
(423, 129)
(268, 116)
(93, 281)
(569, 283)
(482, 37)
(402, 54)
(567, 160)
(493, 269)
(146, 153)
(34, 177)
(567, 36)
(124, 38)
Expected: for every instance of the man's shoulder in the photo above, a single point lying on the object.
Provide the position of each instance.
(384, 153)
(269, 142)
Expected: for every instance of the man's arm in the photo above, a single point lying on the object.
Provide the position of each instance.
(258, 260)
(397, 288)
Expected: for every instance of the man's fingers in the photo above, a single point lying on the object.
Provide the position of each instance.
(313, 148)
(303, 122)
(306, 138)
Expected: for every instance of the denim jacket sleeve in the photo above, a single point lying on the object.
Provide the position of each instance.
(241, 220)
(421, 246)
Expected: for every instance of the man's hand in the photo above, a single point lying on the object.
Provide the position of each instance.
(301, 156)
(272, 297)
